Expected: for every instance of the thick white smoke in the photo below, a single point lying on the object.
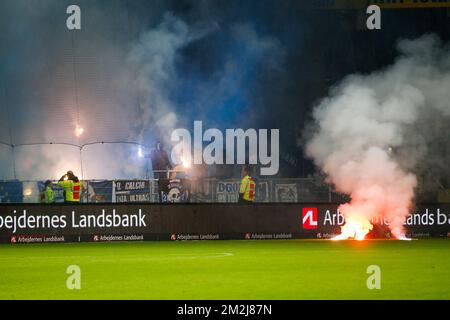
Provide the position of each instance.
(368, 140)
(154, 57)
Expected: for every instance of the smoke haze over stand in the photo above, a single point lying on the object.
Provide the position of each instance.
(125, 86)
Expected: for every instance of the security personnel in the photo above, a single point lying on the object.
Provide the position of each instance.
(72, 187)
(47, 195)
(248, 186)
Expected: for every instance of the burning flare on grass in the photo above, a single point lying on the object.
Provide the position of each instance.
(379, 189)
(370, 129)
(357, 226)
(354, 229)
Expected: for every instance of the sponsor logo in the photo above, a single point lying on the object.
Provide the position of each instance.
(23, 221)
(263, 236)
(418, 235)
(209, 236)
(326, 235)
(309, 218)
(36, 239)
(111, 238)
(55, 239)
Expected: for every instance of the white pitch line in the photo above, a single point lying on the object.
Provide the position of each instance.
(186, 256)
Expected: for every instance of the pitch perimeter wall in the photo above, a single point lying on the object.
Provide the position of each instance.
(34, 223)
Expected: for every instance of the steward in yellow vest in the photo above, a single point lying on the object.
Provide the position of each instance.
(72, 187)
(47, 196)
(248, 187)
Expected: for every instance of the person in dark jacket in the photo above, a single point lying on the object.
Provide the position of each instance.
(160, 162)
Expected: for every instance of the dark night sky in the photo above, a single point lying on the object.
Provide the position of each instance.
(260, 64)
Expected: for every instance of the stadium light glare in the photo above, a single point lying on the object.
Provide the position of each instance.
(185, 162)
(79, 131)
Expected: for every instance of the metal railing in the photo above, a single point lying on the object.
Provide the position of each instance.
(78, 146)
(273, 190)
(200, 190)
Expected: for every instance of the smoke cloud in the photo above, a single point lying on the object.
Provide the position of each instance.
(154, 57)
(375, 133)
(133, 73)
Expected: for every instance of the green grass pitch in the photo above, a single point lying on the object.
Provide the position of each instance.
(280, 269)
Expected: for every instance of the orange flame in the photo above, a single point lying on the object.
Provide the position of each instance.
(355, 228)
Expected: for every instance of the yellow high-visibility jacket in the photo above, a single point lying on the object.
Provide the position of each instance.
(49, 196)
(72, 190)
(247, 189)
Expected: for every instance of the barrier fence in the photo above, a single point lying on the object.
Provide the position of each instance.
(178, 190)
